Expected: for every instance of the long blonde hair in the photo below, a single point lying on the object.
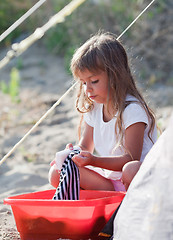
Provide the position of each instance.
(104, 52)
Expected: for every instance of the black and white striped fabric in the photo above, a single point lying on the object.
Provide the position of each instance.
(69, 184)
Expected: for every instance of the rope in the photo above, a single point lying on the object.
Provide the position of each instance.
(60, 99)
(135, 20)
(21, 19)
(19, 48)
(37, 123)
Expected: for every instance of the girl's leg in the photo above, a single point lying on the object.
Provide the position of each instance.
(89, 180)
(53, 177)
(129, 171)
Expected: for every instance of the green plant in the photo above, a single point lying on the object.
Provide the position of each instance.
(19, 63)
(13, 87)
(67, 58)
(119, 9)
(4, 87)
(57, 39)
(14, 84)
(111, 16)
(10, 11)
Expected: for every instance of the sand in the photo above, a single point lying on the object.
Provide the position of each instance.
(43, 81)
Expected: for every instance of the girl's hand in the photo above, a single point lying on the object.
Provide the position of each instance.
(83, 159)
(52, 163)
(69, 146)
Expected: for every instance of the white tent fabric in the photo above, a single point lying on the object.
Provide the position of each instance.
(146, 212)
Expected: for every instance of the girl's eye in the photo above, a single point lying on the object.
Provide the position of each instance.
(95, 81)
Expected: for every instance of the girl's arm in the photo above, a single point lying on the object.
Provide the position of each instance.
(134, 135)
(86, 142)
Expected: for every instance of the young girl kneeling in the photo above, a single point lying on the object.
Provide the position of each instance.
(118, 124)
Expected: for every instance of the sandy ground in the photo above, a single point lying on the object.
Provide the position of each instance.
(43, 82)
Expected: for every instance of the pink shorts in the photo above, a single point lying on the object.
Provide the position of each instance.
(118, 185)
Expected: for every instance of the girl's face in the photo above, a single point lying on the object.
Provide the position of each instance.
(95, 85)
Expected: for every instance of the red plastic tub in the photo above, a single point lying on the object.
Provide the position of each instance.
(38, 217)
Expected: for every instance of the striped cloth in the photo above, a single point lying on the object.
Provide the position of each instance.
(69, 183)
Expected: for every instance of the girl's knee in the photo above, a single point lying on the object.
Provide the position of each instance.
(129, 171)
(53, 177)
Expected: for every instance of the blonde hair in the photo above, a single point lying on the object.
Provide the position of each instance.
(104, 52)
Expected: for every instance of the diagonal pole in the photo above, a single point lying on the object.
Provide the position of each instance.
(21, 19)
(19, 48)
(130, 25)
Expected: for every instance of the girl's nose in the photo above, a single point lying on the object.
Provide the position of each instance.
(88, 88)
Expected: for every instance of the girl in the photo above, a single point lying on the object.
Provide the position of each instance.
(118, 124)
